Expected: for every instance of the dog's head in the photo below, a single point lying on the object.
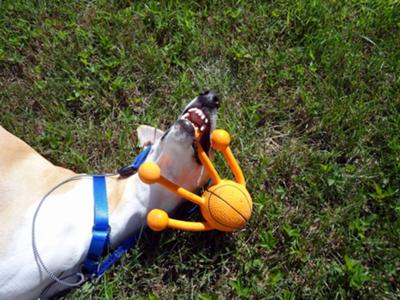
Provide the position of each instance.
(175, 150)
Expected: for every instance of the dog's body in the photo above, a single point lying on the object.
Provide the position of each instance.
(64, 223)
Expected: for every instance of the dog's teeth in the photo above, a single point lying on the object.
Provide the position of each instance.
(185, 116)
(203, 127)
(200, 114)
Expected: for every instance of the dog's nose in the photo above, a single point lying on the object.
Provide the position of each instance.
(209, 99)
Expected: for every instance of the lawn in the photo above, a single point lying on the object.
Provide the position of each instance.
(310, 93)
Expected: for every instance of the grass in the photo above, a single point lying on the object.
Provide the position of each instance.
(311, 96)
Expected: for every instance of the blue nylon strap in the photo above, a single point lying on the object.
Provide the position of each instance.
(127, 245)
(141, 158)
(101, 229)
(115, 256)
(132, 168)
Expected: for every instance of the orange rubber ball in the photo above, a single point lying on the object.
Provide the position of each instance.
(228, 205)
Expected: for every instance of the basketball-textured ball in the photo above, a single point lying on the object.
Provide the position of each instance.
(228, 205)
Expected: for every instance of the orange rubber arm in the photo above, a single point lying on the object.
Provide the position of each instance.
(220, 141)
(234, 166)
(180, 191)
(158, 220)
(150, 173)
(206, 162)
(189, 226)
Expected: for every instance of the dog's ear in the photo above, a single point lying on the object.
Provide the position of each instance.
(148, 135)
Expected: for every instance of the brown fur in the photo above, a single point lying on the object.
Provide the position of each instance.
(26, 177)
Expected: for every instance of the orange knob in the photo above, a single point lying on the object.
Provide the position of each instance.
(149, 172)
(157, 219)
(220, 139)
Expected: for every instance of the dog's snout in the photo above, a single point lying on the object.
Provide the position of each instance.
(209, 99)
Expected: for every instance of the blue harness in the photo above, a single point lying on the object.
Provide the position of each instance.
(101, 228)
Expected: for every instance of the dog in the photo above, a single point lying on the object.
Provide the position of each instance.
(64, 223)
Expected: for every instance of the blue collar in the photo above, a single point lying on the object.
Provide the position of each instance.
(132, 169)
(101, 228)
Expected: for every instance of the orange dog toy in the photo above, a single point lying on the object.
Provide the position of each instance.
(225, 205)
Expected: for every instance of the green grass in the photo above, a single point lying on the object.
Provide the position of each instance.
(311, 96)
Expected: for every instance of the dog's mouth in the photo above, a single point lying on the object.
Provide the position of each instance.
(198, 119)
(197, 122)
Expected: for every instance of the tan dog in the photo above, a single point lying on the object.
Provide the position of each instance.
(64, 224)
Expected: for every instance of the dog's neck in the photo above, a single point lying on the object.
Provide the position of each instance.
(121, 203)
(116, 189)
(129, 202)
